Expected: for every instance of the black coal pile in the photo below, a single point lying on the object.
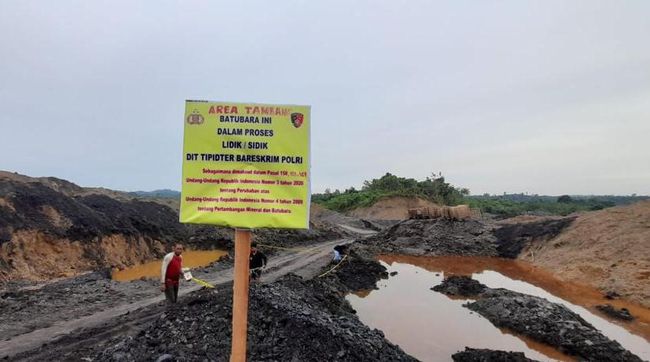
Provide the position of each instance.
(460, 285)
(84, 217)
(546, 322)
(356, 273)
(436, 237)
(289, 320)
(622, 314)
(513, 238)
(488, 355)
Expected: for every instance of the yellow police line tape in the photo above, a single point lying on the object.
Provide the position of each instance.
(202, 282)
(335, 266)
(208, 285)
(282, 248)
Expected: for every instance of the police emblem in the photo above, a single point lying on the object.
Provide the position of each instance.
(297, 119)
(195, 118)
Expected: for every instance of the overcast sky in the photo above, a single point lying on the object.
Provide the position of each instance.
(549, 97)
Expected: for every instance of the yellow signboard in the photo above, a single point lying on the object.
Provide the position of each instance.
(246, 165)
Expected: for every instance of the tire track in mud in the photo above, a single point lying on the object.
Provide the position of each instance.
(306, 263)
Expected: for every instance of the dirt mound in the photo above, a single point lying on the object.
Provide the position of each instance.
(357, 273)
(622, 314)
(487, 355)
(434, 237)
(539, 319)
(607, 249)
(460, 285)
(289, 320)
(391, 208)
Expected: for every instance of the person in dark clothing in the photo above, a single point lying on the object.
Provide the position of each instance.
(339, 252)
(257, 261)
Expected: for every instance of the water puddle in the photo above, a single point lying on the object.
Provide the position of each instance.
(191, 259)
(431, 326)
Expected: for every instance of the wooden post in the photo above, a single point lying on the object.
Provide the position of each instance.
(240, 296)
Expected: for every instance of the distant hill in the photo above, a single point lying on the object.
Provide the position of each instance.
(509, 205)
(436, 190)
(164, 194)
(432, 189)
(612, 199)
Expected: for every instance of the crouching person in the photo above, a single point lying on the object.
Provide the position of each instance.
(339, 252)
(171, 271)
(257, 262)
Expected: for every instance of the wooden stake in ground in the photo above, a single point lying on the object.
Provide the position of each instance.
(240, 295)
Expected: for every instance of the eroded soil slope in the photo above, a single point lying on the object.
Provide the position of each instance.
(608, 249)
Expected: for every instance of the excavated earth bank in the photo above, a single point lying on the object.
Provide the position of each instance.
(52, 228)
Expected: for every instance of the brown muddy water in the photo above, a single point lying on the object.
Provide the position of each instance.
(431, 326)
(191, 259)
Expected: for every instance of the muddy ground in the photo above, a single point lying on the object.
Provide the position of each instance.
(27, 307)
(291, 319)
